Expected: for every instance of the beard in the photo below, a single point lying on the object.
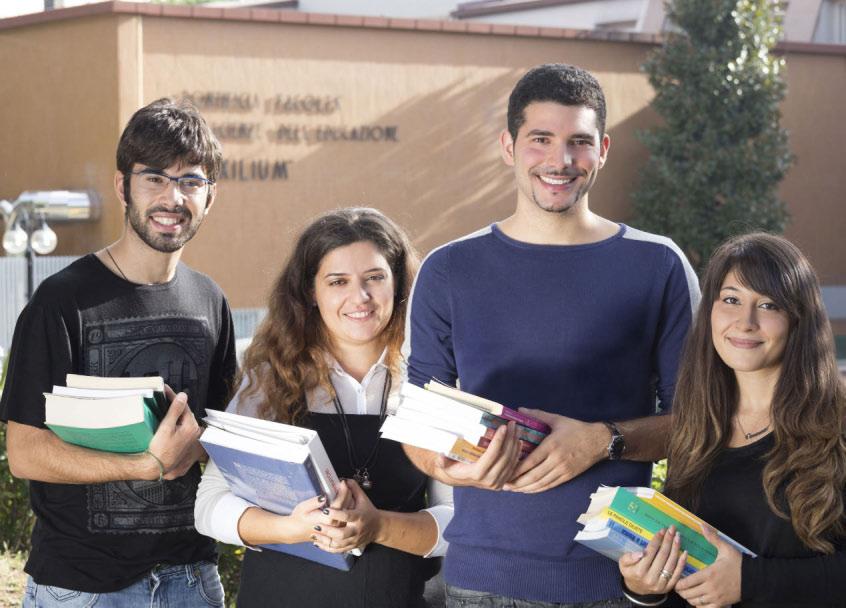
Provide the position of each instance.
(566, 205)
(163, 242)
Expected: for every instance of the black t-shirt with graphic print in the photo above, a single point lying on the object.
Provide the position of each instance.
(86, 320)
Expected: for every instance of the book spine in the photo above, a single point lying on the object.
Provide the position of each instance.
(465, 451)
(625, 525)
(689, 568)
(525, 447)
(487, 405)
(492, 421)
(525, 420)
(649, 517)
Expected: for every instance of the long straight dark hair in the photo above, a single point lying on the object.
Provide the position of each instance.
(805, 473)
(286, 358)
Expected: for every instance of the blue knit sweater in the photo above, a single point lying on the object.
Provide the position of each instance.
(593, 332)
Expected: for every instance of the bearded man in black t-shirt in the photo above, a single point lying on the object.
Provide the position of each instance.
(118, 529)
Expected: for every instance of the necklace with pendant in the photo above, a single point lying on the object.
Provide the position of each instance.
(749, 436)
(361, 472)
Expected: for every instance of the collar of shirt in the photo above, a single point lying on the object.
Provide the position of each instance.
(356, 397)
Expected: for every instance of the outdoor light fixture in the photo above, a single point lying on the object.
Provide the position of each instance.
(26, 218)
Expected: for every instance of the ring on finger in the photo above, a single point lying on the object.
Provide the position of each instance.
(666, 575)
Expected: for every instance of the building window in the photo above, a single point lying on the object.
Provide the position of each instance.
(831, 22)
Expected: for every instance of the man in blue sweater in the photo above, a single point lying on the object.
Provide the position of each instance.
(562, 311)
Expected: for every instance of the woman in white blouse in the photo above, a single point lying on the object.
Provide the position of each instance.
(326, 357)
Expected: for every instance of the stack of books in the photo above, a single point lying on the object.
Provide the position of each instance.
(624, 520)
(276, 467)
(458, 424)
(107, 414)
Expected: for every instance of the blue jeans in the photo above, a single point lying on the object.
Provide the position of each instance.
(183, 586)
(456, 597)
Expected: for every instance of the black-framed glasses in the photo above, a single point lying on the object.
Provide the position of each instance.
(155, 182)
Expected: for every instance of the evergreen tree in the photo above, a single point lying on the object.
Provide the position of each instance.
(718, 158)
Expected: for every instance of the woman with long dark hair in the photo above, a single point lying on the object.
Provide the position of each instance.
(757, 447)
(326, 357)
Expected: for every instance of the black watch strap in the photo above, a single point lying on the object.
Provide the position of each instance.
(617, 445)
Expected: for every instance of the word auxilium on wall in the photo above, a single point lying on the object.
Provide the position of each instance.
(275, 121)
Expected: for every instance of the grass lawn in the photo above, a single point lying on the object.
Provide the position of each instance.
(12, 579)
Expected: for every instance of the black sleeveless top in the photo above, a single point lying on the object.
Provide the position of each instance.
(382, 577)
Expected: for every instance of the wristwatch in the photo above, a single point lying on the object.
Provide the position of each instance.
(617, 445)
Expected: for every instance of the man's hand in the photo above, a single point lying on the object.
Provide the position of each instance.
(175, 442)
(571, 448)
(493, 469)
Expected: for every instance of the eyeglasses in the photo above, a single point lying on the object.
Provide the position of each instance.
(155, 182)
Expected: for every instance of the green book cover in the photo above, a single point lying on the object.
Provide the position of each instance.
(653, 519)
(128, 438)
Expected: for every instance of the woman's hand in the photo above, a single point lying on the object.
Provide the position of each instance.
(288, 529)
(658, 568)
(343, 530)
(718, 584)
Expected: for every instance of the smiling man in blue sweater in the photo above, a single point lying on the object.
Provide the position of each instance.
(562, 311)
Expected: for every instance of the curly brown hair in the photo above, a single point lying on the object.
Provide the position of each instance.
(806, 468)
(286, 358)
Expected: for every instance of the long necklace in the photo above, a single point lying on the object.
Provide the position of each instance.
(751, 435)
(112, 258)
(361, 472)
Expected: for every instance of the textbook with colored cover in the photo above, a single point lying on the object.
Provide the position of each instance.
(274, 466)
(642, 512)
(451, 422)
(107, 414)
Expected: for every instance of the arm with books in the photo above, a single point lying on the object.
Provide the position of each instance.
(39, 454)
(574, 446)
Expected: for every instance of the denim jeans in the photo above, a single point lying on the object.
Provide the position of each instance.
(184, 586)
(456, 597)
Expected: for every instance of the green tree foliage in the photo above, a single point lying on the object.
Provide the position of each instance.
(718, 158)
(16, 519)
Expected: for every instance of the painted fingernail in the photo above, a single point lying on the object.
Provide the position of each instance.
(313, 537)
(318, 528)
(325, 511)
(321, 498)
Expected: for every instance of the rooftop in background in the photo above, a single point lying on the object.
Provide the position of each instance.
(805, 21)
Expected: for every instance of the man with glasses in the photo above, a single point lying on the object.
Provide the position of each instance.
(118, 529)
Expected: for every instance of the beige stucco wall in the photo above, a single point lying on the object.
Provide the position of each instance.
(71, 85)
(58, 97)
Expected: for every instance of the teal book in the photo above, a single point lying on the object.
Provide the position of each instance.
(653, 519)
(123, 424)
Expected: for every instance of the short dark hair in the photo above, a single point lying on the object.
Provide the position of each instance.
(166, 132)
(565, 84)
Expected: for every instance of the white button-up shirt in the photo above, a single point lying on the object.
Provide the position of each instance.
(217, 510)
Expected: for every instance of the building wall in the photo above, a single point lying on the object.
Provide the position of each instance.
(435, 101)
(59, 119)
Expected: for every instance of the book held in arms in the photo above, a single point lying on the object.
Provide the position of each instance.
(274, 466)
(624, 520)
(107, 414)
(455, 423)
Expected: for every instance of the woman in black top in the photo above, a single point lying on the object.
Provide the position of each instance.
(757, 447)
(326, 357)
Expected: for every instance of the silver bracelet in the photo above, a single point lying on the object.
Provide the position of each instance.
(158, 462)
(639, 600)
